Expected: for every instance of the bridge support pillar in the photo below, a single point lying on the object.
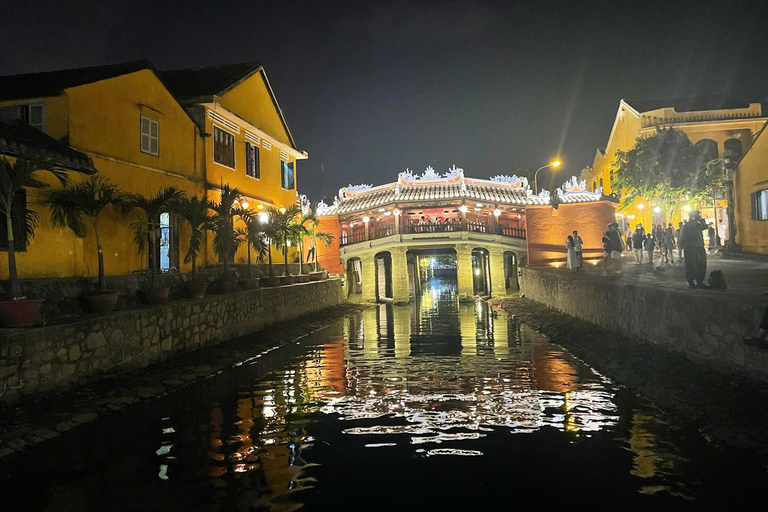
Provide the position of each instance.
(400, 288)
(464, 272)
(369, 279)
(498, 283)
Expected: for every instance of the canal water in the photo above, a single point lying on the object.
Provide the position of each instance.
(433, 406)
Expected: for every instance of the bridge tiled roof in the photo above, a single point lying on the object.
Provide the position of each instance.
(501, 190)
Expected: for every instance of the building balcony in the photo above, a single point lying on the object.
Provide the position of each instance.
(358, 236)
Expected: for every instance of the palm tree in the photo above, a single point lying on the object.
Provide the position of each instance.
(15, 177)
(225, 241)
(282, 229)
(315, 235)
(77, 204)
(299, 240)
(195, 212)
(253, 235)
(147, 227)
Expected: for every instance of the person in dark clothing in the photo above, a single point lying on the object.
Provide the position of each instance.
(712, 236)
(679, 247)
(692, 243)
(648, 244)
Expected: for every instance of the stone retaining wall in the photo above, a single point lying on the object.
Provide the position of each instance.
(707, 326)
(62, 296)
(44, 359)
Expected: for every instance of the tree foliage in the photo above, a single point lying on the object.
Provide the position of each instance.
(195, 212)
(15, 177)
(664, 167)
(76, 205)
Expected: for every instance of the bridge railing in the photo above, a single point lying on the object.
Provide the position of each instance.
(416, 229)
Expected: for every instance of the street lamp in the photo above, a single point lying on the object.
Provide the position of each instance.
(555, 163)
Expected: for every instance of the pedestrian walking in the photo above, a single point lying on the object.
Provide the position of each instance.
(648, 245)
(612, 249)
(570, 259)
(578, 244)
(679, 247)
(637, 243)
(668, 245)
(692, 243)
(712, 237)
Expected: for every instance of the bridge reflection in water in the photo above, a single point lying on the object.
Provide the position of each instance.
(435, 405)
(410, 398)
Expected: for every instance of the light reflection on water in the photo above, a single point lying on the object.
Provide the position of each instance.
(441, 378)
(416, 407)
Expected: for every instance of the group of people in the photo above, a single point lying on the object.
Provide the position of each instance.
(662, 238)
(688, 239)
(428, 225)
(573, 245)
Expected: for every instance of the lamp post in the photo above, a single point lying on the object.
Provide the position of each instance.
(555, 163)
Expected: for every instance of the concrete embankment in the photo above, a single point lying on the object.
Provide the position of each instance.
(707, 326)
(34, 422)
(39, 360)
(728, 411)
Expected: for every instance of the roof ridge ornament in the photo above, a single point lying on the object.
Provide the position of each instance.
(514, 180)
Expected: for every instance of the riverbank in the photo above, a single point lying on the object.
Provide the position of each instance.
(32, 422)
(36, 361)
(726, 409)
(655, 304)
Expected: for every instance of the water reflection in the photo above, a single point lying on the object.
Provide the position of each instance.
(417, 407)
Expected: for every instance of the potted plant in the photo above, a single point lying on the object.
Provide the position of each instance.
(282, 230)
(316, 236)
(15, 177)
(75, 206)
(253, 236)
(195, 212)
(225, 239)
(147, 234)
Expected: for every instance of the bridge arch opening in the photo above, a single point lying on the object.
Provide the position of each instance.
(510, 271)
(383, 278)
(354, 276)
(481, 272)
(432, 271)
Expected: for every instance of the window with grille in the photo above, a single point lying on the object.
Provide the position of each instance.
(223, 147)
(32, 114)
(760, 205)
(150, 136)
(252, 168)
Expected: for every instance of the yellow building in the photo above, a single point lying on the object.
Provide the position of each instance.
(141, 137)
(714, 122)
(751, 196)
(248, 142)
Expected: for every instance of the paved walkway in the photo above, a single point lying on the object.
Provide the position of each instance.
(746, 279)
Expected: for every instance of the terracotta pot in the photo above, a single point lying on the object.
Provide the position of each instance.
(196, 289)
(301, 278)
(316, 276)
(20, 312)
(270, 281)
(154, 296)
(227, 285)
(250, 284)
(101, 303)
(287, 280)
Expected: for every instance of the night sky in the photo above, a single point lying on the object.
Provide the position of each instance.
(370, 88)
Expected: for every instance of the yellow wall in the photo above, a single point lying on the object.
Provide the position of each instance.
(251, 100)
(628, 127)
(751, 176)
(103, 121)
